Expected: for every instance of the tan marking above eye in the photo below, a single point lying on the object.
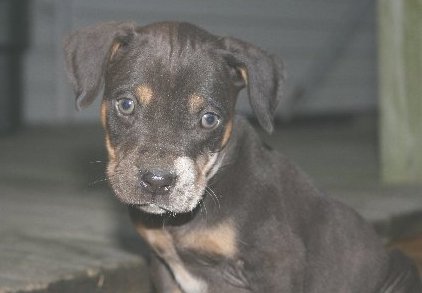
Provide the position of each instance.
(218, 240)
(144, 94)
(195, 103)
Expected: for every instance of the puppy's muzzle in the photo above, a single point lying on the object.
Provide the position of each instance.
(156, 182)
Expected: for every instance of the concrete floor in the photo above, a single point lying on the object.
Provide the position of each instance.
(62, 231)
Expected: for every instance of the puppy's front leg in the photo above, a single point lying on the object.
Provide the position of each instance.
(161, 278)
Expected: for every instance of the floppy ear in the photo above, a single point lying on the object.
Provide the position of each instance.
(262, 74)
(87, 52)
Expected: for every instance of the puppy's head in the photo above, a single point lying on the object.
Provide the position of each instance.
(169, 97)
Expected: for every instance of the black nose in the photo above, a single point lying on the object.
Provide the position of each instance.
(157, 182)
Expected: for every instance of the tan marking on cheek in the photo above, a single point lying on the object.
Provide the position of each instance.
(110, 149)
(204, 163)
(244, 74)
(112, 158)
(201, 162)
(195, 103)
(103, 114)
(218, 240)
(227, 133)
(144, 94)
(116, 46)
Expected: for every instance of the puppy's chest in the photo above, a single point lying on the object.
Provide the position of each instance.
(200, 259)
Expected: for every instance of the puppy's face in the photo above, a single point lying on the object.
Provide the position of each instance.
(167, 111)
(169, 96)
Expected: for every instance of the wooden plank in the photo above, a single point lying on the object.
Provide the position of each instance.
(400, 71)
(412, 247)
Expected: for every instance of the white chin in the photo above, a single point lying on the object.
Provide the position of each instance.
(152, 209)
(155, 209)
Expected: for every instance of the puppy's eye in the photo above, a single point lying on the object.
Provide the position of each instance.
(125, 106)
(210, 120)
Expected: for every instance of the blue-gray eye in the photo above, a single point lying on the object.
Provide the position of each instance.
(210, 120)
(125, 106)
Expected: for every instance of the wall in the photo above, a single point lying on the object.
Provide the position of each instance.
(328, 47)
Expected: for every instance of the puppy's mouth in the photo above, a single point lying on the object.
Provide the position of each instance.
(153, 194)
(152, 208)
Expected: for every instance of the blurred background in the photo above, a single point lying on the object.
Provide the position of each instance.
(351, 118)
(329, 49)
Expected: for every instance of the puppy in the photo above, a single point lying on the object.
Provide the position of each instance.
(221, 211)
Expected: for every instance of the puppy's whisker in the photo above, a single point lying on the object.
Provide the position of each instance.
(216, 179)
(97, 162)
(204, 210)
(213, 196)
(226, 164)
(97, 181)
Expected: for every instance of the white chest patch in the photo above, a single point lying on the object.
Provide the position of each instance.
(187, 282)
